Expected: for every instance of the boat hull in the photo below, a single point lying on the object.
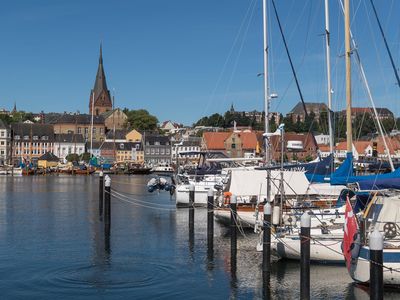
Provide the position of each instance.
(391, 261)
(322, 249)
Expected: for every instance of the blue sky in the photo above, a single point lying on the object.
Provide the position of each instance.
(184, 59)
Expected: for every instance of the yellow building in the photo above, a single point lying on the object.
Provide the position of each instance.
(115, 118)
(81, 124)
(133, 136)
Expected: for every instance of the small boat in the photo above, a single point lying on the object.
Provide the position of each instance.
(160, 183)
(139, 169)
(162, 169)
(83, 171)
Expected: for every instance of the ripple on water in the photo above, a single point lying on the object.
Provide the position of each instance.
(124, 276)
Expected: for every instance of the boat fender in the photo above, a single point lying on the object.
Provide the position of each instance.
(150, 188)
(227, 197)
(276, 215)
(356, 245)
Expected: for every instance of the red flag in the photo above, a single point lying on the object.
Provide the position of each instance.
(350, 230)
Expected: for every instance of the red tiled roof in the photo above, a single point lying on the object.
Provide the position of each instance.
(215, 140)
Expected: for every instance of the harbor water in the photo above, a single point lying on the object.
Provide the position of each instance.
(52, 245)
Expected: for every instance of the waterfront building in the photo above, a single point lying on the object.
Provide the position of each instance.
(68, 143)
(115, 118)
(100, 94)
(119, 151)
(383, 112)
(30, 141)
(191, 146)
(4, 143)
(297, 112)
(297, 147)
(133, 136)
(118, 136)
(170, 127)
(157, 150)
(80, 124)
(234, 143)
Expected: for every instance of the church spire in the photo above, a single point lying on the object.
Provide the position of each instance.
(100, 93)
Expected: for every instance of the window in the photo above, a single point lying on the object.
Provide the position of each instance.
(94, 130)
(2, 142)
(35, 137)
(167, 151)
(121, 146)
(147, 151)
(157, 151)
(79, 130)
(2, 133)
(86, 130)
(233, 146)
(45, 138)
(101, 131)
(26, 137)
(17, 137)
(152, 151)
(162, 151)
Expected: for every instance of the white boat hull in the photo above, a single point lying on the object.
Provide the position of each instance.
(391, 259)
(200, 195)
(322, 249)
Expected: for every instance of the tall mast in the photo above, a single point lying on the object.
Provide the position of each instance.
(91, 128)
(349, 132)
(328, 73)
(266, 95)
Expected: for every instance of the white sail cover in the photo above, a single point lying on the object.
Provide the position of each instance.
(254, 183)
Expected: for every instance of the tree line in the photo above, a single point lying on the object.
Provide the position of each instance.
(363, 124)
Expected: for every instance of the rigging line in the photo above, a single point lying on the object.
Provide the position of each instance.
(228, 57)
(141, 205)
(293, 70)
(240, 50)
(386, 44)
(141, 201)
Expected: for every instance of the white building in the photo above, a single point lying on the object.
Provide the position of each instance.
(68, 143)
(4, 143)
(191, 148)
(322, 139)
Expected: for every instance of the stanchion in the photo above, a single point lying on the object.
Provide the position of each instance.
(305, 256)
(376, 265)
(101, 193)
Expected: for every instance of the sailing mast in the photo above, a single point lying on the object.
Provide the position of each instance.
(349, 132)
(328, 73)
(91, 129)
(266, 94)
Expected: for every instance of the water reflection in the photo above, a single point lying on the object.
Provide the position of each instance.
(52, 243)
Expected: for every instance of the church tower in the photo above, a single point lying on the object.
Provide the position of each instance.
(100, 93)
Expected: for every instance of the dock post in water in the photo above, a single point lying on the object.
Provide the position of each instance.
(233, 231)
(376, 265)
(191, 206)
(101, 193)
(210, 219)
(107, 201)
(305, 256)
(266, 265)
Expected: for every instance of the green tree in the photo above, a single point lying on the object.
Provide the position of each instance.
(72, 157)
(141, 120)
(85, 157)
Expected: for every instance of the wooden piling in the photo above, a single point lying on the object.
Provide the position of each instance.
(107, 201)
(101, 193)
